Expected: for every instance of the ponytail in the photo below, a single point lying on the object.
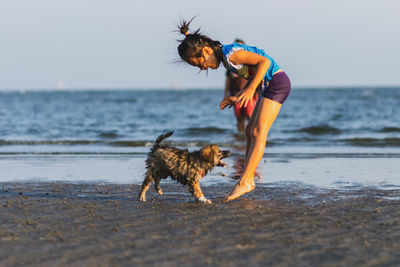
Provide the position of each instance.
(184, 26)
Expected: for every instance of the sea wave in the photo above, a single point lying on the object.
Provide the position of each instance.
(203, 130)
(374, 142)
(120, 143)
(227, 142)
(48, 142)
(109, 135)
(390, 130)
(319, 130)
(122, 100)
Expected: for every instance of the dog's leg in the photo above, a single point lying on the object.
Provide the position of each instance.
(157, 186)
(145, 186)
(157, 178)
(194, 188)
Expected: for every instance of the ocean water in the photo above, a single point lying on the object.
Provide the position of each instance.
(38, 127)
(111, 121)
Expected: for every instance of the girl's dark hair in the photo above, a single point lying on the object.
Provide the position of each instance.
(237, 40)
(194, 42)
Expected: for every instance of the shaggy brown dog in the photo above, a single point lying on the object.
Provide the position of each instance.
(181, 165)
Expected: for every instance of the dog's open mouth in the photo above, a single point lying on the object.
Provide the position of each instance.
(221, 163)
(225, 154)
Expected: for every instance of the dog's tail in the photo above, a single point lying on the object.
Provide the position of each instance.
(162, 137)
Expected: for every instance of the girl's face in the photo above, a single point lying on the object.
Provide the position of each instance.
(208, 59)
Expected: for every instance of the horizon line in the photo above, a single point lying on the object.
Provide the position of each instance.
(305, 87)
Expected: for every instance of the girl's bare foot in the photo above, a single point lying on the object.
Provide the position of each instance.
(240, 188)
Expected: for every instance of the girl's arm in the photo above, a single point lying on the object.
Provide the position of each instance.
(261, 65)
(227, 86)
(228, 101)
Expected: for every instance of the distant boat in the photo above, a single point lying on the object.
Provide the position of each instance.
(60, 85)
(175, 86)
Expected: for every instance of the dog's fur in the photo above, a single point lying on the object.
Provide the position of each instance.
(181, 165)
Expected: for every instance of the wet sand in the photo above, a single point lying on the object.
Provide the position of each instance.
(60, 224)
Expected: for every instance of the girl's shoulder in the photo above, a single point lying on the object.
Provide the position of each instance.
(227, 51)
(230, 48)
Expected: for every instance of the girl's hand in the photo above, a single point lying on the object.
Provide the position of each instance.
(228, 101)
(245, 97)
(261, 65)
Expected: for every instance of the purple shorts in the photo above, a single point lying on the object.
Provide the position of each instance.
(279, 88)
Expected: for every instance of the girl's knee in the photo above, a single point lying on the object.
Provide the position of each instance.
(252, 132)
(249, 131)
(258, 133)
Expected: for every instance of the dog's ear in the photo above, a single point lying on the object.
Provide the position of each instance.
(207, 153)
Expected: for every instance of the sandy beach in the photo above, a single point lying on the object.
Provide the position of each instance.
(61, 224)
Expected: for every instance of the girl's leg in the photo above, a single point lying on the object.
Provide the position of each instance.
(266, 113)
(250, 127)
(240, 118)
(240, 123)
(241, 163)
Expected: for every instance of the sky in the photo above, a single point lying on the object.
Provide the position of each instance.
(117, 44)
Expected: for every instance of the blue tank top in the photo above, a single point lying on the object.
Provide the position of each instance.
(244, 70)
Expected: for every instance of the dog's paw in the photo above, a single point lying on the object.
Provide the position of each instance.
(142, 199)
(204, 200)
(159, 191)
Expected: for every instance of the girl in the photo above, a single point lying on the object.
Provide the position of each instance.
(259, 69)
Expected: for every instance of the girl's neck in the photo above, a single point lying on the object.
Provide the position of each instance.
(219, 54)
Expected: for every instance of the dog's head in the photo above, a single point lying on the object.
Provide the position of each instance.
(213, 154)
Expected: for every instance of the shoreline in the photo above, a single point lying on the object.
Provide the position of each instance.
(63, 224)
(326, 171)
